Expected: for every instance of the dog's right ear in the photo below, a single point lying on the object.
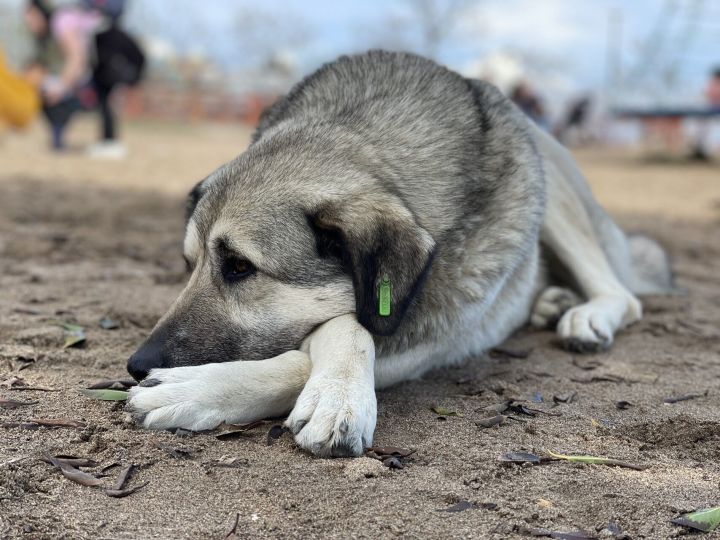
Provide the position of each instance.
(193, 199)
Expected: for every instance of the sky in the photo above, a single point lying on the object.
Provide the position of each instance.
(561, 44)
(564, 43)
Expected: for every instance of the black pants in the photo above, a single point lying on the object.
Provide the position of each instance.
(58, 116)
(107, 118)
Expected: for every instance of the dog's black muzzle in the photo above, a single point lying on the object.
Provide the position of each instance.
(151, 354)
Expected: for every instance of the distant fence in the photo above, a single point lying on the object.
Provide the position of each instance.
(159, 100)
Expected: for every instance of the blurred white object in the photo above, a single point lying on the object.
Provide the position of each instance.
(107, 150)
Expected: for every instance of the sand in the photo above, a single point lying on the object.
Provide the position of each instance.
(81, 239)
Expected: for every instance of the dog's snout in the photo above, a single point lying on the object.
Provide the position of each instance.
(137, 366)
(149, 356)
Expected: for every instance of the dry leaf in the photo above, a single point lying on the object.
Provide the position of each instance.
(113, 384)
(460, 507)
(59, 422)
(72, 461)
(519, 457)
(490, 421)
(592, 460)
(442, 411)
(119, 493)
(229, 431)
(232, 535)
(14, 404)
(76, 475)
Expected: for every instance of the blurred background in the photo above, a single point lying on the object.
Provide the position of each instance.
(640, 80)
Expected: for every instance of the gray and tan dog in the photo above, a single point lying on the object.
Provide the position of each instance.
(389, 217)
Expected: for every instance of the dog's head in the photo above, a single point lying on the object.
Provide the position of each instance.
(276, 246)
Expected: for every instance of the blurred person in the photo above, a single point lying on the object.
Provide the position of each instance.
(62, 40)
(118, 61)
(575, 121)
(712, 98)
(530, 103)
(19, 99)
(712, 90)
(67, 38)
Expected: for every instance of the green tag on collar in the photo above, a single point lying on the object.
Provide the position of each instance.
(385, 297)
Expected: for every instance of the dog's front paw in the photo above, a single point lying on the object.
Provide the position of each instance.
(334, 418)
(175, 398)
(586, 329)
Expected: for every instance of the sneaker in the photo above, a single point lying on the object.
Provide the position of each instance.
(106, 150)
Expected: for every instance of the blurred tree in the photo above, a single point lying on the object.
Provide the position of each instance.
(437, 21)
(266, 41)
(423, 26)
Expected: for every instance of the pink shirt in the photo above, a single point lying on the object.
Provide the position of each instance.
(74, 20)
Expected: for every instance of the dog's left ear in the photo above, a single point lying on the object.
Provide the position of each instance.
(384, 248)
(193, 199)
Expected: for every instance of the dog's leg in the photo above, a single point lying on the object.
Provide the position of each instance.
(551, 304)
(568, 231)
(336, 412)
(202, 397)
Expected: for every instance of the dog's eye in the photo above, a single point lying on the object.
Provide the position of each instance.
(235, 269)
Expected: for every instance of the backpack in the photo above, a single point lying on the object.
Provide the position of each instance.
(118, 58)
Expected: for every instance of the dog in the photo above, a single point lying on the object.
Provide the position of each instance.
(389, 216)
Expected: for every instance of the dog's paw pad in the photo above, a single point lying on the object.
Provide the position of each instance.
(550, 305)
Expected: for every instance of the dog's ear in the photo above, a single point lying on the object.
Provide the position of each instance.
(385, 250)
(193, 199)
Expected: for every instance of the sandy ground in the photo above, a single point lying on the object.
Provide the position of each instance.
(82, 239)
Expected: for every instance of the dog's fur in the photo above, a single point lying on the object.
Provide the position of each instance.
(380, 165)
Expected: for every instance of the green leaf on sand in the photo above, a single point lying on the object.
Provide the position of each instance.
(68, 327)
(105, 394)
(442, 411)
(705, 520)
(74, 334)
(597, 461)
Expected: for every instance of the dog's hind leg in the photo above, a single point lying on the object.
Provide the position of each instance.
(570, 231)
(551, 304)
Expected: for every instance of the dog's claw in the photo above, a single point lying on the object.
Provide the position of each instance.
(138, 418)
(296, 427)
(147, 383)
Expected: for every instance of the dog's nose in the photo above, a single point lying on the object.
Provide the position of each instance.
(149, 356)
(136, 367)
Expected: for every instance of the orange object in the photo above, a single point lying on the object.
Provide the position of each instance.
(19, 100)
